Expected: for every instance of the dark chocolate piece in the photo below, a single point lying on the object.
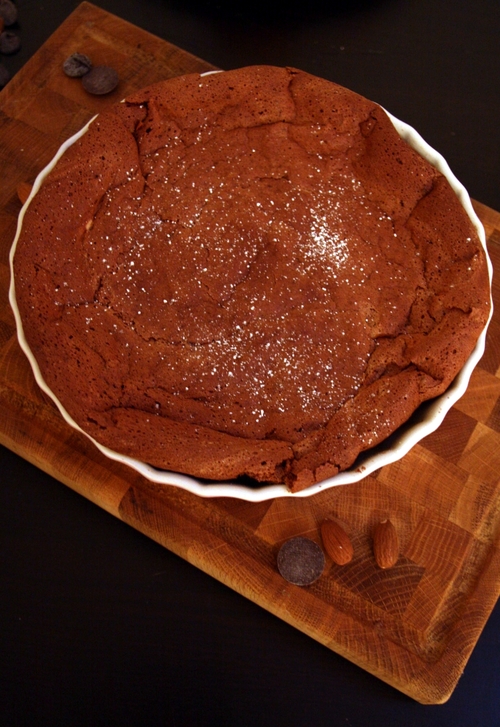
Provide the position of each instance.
(301, 561)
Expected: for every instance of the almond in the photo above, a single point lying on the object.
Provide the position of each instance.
(385, 544)
(336, 542)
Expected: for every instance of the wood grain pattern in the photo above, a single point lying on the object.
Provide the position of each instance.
(413, 625)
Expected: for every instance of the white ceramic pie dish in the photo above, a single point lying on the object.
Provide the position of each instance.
(425, 420)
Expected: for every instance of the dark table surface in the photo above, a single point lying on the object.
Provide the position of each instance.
(101, 626)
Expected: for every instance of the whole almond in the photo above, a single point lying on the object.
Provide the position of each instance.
(385, 544)
(336, 542)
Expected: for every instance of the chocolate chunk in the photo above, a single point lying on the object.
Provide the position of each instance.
(100, 80)
(8, 12)
(4, 76)
(301, 561)
(77, 65)
(9, 42)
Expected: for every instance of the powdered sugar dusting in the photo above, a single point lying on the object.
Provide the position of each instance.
(328, 244)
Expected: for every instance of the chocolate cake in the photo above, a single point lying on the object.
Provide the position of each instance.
(247, 274)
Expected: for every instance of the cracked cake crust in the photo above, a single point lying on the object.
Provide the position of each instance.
(247, 274)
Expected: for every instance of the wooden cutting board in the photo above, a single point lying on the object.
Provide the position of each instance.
(414, 625)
